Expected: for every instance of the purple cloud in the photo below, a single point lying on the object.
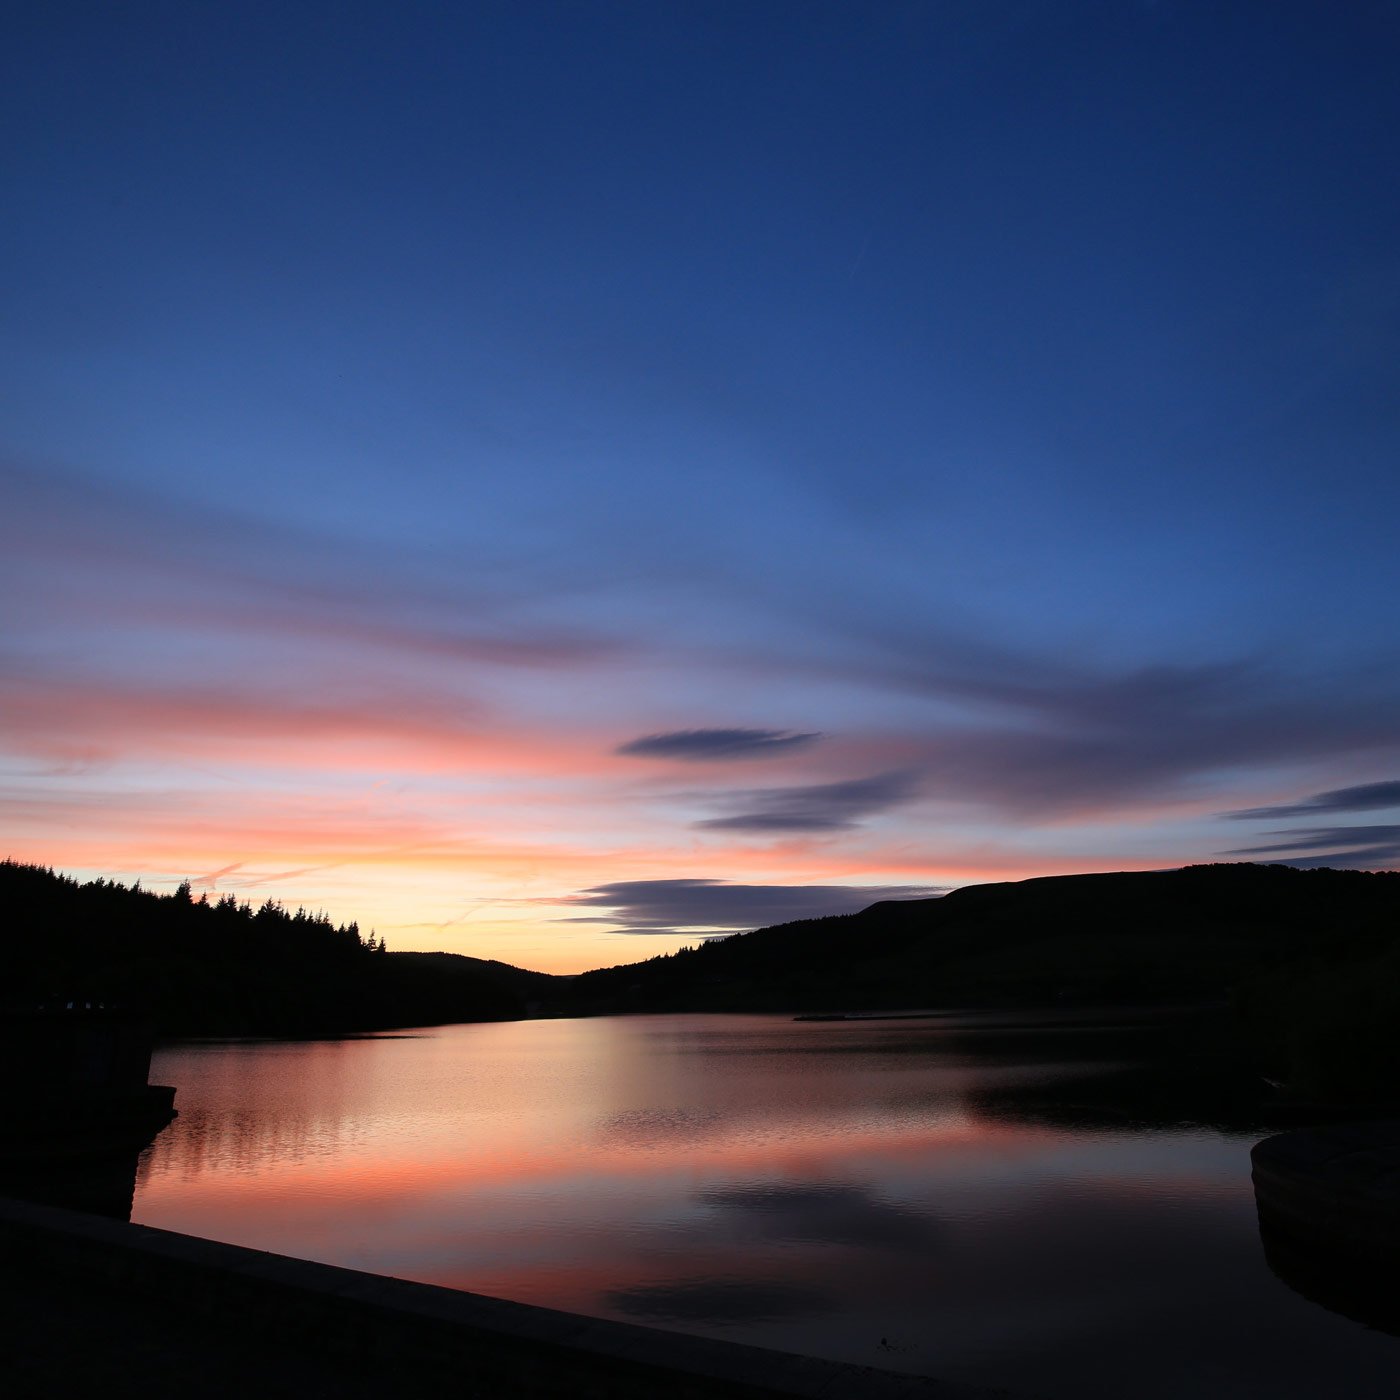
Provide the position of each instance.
(1361, 847)
(818, 807)
(671, 906)
(714, 745)
(1367, 797)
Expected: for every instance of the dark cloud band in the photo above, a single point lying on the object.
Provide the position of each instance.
(714, 745)
(1367, 797)
(1363, 847)
(817, 807)
(678, 906)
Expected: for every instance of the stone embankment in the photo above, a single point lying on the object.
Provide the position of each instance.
(107, 1307)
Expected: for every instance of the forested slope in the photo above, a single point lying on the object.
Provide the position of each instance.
(222, 967)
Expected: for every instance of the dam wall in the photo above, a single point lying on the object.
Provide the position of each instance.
(1336, 1188)
(411, 1338)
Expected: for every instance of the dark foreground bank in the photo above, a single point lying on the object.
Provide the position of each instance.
(100, 1306)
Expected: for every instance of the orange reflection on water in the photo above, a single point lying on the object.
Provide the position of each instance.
(187, 1165)
(872, 1192)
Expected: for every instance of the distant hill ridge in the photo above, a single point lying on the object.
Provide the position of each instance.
(1310, 960)
(1199, 931)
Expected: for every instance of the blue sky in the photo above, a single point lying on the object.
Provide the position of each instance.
(411, 408)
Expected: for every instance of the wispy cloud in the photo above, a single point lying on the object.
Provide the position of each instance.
(210, 880)
(1032, 732)
(384, 724)
(1366, 797)
(127, 558)
(713, 745)
(819, 806)
(1369, 847)
(671, 906)
(1074, 743)
(1043, 732)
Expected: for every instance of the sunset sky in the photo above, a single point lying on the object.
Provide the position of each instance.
(553, 481)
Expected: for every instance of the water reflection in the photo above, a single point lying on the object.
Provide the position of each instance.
(648, 1129)
(721, 1302)
(904, 1194)
(833, 1214)
(1115, 1096)
(1366, 1292)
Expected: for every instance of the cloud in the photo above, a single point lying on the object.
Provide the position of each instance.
(1073, 745)
(1041, 733)
(76, 546)
(713, 745)
(818, 807)
(1364, 847)
(672, 906)
(1367, 797)
(232, 602)
(383, 723)
(210, 881)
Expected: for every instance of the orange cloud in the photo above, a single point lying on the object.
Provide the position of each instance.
(392, 732)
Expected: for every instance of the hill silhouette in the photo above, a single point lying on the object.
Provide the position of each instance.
(1143, 935)
(1308, 960)
(224, 968)
(531, 989)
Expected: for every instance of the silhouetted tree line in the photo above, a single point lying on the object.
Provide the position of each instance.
(1304, 964)
(221, 967)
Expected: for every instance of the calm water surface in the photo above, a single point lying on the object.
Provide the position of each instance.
(894, 1193)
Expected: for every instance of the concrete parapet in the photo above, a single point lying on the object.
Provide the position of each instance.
(1335, 1187)
(417, 1335)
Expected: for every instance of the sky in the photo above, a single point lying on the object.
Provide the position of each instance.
(556, 481)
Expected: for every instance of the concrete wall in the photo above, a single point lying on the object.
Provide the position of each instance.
(420, 1337)
(1336, 1188)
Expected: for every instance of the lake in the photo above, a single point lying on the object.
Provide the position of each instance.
(925, 1195)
